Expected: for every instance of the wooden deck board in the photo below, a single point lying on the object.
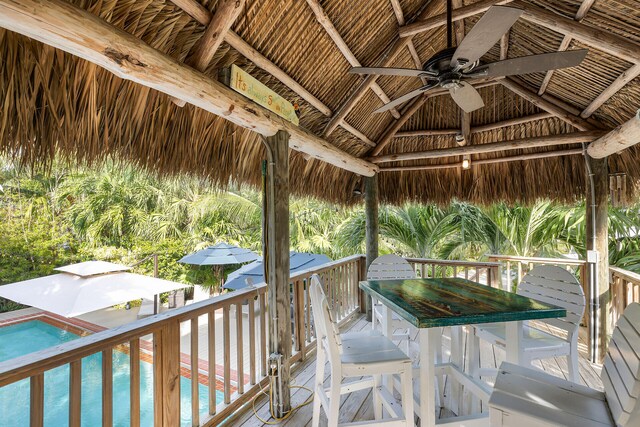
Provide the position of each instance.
(358, 406)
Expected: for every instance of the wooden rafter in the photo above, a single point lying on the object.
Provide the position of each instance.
(544, 141)
(504, 45)
(566, 41)
(326, 23)
(521, 157)
(203, 16)
(67, 27)
(387, 59)
(475, 129)
(397, 10)
(611, 90)
(556, 107)
(203, 52)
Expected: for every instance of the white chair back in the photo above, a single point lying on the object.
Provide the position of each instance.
(390, 266)
(621, 370)
(555, 285)
(327, 333)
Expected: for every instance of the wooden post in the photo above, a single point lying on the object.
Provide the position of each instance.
(597, 240)
(372, 227)
(275, 231)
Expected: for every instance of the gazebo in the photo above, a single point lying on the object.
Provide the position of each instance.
(147, 81)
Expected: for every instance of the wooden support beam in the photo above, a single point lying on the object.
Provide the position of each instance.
(613, 88)
(466, 129)
(603, 40)
(413, 106)
(386, 61)
(74, 30)
(226, 13)
(516, 144)
(563, 114)
(423, 25)
(324, 20)
(276, 263)
(566, 41)
(372, 227)
(522, 157)
(597, 239)
(203, 16)
(622, 137)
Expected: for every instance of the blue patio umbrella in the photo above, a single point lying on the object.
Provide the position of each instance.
(255, 271)
(219, 255)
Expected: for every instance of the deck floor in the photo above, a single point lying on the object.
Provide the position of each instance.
(358, 405)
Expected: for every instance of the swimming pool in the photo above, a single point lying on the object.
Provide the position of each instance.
(34, 335)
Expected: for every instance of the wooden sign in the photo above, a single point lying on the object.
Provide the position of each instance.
(242, 82)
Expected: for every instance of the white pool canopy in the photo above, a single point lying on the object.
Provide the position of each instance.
(86, 287)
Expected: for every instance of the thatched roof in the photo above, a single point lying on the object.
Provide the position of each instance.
(52, 102)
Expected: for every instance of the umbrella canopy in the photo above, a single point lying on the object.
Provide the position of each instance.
(220, 254)
(86, 287)
(255, 271)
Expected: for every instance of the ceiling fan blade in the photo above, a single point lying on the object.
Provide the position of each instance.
(467, 97)
(534, 63)
(387, 71)
(404, 98)
(486, 33)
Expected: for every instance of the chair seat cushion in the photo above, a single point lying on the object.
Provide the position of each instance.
(528, 397)
(533, 339)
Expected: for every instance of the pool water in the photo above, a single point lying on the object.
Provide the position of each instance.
(27, 337)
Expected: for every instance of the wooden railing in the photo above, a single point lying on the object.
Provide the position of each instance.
(158, 339)
(624, 287)
(486, 273)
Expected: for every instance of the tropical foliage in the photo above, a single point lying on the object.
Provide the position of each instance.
(116, 212)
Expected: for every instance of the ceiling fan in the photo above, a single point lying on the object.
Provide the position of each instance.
(453, 67)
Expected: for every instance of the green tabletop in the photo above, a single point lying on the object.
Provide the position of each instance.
(429, 303)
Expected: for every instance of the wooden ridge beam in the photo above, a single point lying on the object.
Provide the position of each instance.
(622, 137)
(423, 25)
(516, 144)
(566, 41)
(386, 61)
(203, 16)
(326, 23)
(561, 112)
(226, 13)
(611, 90)
(67, 27)
(522, 157)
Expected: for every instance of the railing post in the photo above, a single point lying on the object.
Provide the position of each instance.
(362, 274)
(166, 368)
